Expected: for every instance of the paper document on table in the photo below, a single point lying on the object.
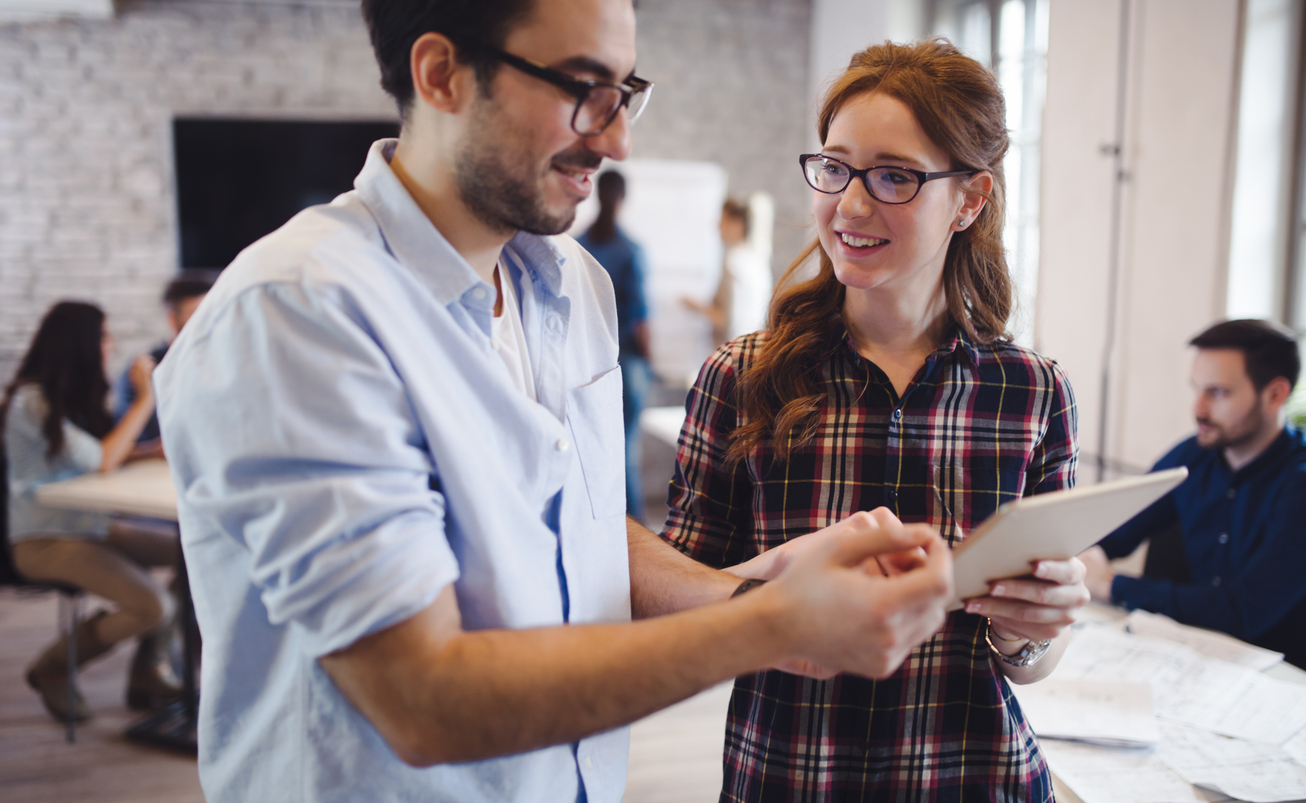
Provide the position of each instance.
(1259, 773)
(1207, 642)
(1116, 713)
(1188, 687)
(1115, 775)
(1296, 747)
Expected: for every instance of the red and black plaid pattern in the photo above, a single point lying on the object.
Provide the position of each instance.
(979, 425)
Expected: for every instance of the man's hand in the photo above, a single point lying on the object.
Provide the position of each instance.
(769, 564)
(1099, 577)
(841, 617)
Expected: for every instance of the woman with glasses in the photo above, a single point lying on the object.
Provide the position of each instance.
(56, 426)
(889, 381)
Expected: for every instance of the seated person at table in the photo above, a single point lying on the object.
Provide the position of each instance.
(1242, 510)
(181, 297)
(56, 427)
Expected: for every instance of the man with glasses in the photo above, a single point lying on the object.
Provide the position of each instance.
(395, 428)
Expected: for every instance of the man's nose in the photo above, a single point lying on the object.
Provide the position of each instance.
(613, 142)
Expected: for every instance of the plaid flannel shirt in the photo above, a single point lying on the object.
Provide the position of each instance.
(978, 426)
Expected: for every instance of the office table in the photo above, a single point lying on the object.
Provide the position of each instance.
(143, 488)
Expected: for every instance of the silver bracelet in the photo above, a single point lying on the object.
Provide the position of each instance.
(1028, 655)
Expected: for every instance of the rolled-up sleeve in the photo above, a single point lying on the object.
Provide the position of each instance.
(291, 433)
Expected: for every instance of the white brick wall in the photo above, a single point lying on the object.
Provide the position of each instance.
(87, 208)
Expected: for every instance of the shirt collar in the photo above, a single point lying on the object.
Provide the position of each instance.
(419, 245)
(954, 341)
(1272, 457)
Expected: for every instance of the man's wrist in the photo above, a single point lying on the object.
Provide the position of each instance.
(746, 586)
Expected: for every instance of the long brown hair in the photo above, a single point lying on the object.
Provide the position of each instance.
(66, 362)
(958, 104)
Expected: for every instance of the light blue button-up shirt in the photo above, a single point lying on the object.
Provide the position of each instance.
(345, 443)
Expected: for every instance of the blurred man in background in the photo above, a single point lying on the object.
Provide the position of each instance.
(623, 259)
(180, 299)
(1234, 533)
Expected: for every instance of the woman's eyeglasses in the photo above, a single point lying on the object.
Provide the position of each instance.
(890, 185)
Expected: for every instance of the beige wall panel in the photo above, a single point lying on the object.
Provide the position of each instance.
(1174, 214)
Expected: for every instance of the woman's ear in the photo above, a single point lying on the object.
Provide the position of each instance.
(973, 192)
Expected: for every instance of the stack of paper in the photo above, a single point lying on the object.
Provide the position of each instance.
(1207, 642)
(1226, 730)
(1241, 769)
(1113, 713)
(1108, 775)
(1190, 688)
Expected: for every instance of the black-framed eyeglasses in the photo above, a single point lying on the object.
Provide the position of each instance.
(890, 185)
(597, 102)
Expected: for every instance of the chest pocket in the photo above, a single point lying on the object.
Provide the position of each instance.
(968, 496)
(594, 415)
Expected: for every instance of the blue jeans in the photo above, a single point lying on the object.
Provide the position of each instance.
(636, 376)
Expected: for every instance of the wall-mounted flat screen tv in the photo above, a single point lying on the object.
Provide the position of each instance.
(239, 179)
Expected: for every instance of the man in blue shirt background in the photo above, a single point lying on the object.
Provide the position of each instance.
(1241, 513)
(623, 259)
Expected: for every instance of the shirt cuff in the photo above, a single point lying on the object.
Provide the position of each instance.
(1148, 593)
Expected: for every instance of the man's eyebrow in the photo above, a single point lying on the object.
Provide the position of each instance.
(585, 64)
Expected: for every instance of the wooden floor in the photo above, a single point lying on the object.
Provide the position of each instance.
(675, 754)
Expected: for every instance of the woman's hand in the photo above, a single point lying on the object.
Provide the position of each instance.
(1038, 608)
(140, 373)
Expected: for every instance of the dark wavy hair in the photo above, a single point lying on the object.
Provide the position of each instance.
(394, 25)
(959, 105)
(1269, 349)
(66, 361)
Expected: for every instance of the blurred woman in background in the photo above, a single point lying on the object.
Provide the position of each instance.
(57, 426)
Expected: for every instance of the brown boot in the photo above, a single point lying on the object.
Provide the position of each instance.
(49, 674)
(151, 683)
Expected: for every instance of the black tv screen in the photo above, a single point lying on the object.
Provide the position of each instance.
(238, 180)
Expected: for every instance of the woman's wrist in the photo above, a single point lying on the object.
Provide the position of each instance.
(1004, 643)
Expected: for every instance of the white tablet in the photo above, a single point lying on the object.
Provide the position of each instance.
(1051, 526)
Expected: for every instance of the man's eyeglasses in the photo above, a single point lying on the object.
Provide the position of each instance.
(890, 185)
(597, 102)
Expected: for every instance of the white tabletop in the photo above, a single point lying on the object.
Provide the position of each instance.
(142, 488)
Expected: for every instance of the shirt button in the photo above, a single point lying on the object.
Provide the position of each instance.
(897, 415)
(588, 762)
(891, 495)
(1224, 538)
(1215, 581)
(562, 445)
(1232, 493)
(479, 293)
(554, 323)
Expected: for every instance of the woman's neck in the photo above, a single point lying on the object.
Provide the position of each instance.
(896, 331)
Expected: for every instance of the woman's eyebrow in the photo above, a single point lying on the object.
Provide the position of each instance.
(879, 157)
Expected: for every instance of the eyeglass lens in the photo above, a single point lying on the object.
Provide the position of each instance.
(886, 184)
(600, 106)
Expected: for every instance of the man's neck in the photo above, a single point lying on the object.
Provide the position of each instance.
(433, 187)
(1243, 454)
